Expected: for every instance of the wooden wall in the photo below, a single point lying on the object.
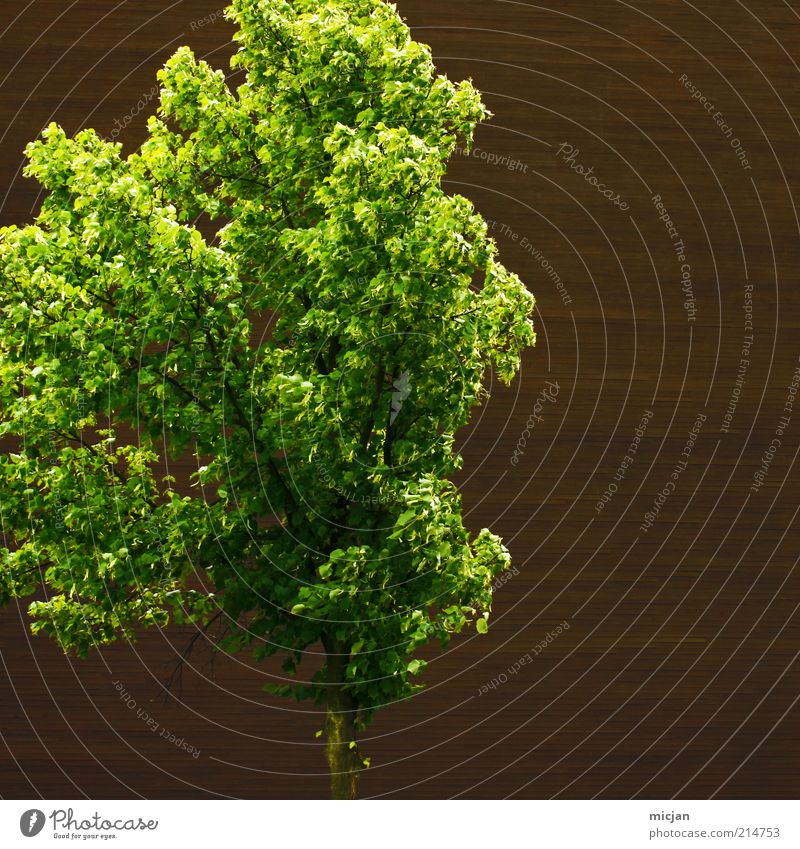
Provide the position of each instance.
(678, 674)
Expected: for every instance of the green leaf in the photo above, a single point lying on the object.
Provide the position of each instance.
(406, 518)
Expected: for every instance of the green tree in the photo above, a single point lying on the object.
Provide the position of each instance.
(324, 525)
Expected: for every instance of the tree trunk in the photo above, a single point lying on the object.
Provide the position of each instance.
(341, 750)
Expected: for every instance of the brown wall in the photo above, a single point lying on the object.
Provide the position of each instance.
(679, 673)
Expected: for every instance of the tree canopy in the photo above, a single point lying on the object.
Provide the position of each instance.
(276, 284)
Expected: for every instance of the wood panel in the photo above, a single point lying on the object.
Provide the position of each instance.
(678, 675)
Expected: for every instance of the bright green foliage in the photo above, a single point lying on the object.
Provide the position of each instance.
(323, 513)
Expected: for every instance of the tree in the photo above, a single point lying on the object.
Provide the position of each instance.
(308, 201)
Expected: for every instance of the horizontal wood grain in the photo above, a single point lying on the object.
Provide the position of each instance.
(678, 675)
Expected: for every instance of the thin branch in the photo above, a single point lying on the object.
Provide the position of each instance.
(176, 676)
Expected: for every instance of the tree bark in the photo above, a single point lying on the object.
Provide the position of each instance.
(341, 750)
